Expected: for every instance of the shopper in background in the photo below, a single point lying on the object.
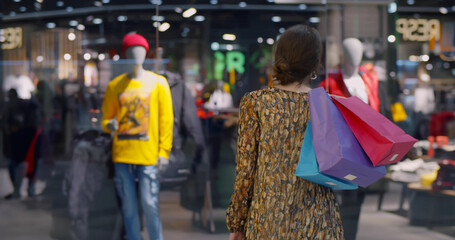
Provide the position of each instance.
(269, 201)
(138, 108)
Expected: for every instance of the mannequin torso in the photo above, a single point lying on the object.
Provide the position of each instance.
(353, 51)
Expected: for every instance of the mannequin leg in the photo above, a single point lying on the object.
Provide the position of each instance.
(149, 189)
(126, 189)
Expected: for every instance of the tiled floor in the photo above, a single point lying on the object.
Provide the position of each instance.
(37, 218)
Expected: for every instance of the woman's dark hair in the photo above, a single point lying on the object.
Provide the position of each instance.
(297, 54)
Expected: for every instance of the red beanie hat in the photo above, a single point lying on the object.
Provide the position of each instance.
(134, 39)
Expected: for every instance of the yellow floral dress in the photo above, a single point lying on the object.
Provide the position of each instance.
(269, 201)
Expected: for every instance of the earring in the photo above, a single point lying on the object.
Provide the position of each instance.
(314, 76)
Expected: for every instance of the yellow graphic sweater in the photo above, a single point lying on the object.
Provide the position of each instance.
(143, 109)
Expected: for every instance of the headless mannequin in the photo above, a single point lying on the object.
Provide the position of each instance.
(353, 51)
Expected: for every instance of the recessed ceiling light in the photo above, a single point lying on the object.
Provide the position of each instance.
(97, 21)
(60, 3)
(51, 25)
(73, 23)
(199, 18)
(163, 27)
(189, 12)
(276, 19)
(229, 37)
(122, 18)
(242, 4)
(157, 18)
(80, 27)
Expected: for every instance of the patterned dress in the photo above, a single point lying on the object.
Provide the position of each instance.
(269, 201)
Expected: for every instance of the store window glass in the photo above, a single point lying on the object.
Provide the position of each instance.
(57, 59)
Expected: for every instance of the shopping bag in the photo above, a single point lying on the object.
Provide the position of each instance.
(338, 152)
(308, 169)
(382, 140)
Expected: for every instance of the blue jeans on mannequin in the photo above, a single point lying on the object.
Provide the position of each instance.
(125, 175)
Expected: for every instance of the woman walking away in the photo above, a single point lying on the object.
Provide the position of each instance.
(269, 201)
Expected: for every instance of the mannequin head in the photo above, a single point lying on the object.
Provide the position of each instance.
(353, 51)
(297, 55)
(137, 54)
(135, 47)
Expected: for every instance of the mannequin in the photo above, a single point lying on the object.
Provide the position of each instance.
(137, 108)
(354, 79)
(353, 51)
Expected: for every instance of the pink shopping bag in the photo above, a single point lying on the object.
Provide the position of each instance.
(382, 140)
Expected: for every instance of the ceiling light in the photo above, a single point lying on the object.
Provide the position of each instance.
(97, 21)
(229, 37)
(281, 30)
(39, 59)
(276, 19)
(73, 23)
(157, 18)
(101, 56)
(260, 40)
(163, 27)
(60, 3)
(51, 25)
(270, 1)
(67, 56)
(69, 9)
(429, 66)
(213, 2)
(22, 9)
(40, 1)
(424, 58)
(80, 27)
(410, 2)
(12, 13)
(98, 3)
(199, 18)
(71, 36)
(270, 41)
(314, 20)
(242, 4)
(178, 10)
(303, 6)
(229, 47)
(392, 7)
(215, 46)
(116, 57)
(443, 10)
(189, 12)
(391, 38)
(87, 56)
(106, 1)
(156, 2)
(122, 18)
(156, 24)
(17, 1)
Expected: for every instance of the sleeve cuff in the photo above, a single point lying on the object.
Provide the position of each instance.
(163, 153)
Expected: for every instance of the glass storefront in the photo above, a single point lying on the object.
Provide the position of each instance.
(58, 57)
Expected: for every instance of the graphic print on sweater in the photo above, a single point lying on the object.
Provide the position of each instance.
(134, 116)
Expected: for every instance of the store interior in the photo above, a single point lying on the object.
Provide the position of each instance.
(60, 56)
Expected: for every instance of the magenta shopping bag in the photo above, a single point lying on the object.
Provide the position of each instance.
(338, 152)
(382, 140)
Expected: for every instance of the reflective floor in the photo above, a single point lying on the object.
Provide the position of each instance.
(45, 217)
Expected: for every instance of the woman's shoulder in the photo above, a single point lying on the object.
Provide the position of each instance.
(256, 94)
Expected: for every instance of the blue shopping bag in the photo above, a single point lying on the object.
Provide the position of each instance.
(308, 169)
